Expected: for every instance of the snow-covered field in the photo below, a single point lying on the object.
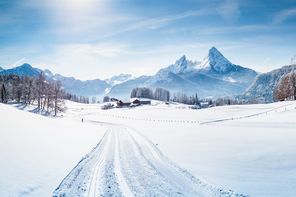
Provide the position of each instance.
(250, 149)
(37, 152)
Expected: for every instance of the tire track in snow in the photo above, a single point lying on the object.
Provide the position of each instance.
(94, 177)
(126, 163)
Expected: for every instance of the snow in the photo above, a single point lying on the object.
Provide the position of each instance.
(217, 61)
(230, 79)
(38, 152)
(215, 76)
(118, 79)
(125, 163)
(182, 65)
(249, 149)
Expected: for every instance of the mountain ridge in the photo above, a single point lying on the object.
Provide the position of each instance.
(215, 76)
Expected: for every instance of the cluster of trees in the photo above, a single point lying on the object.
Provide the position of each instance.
(158, 94)
(183, 98)
(142, 92)
(161, 94)
(75, 98)
(106, 99)
(28, 90)
(48, 95)
(231, 101)
(164, 95)
(286, 88)
(194, 100)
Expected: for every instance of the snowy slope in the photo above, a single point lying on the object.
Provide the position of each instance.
(118, 79)
(216, 61)
(217, 66)
(248, 148)
(37, 152)
(125, 163)
(123, 90)
(264, 84)
(182, 65)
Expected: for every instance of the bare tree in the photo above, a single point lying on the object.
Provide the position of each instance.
(48, 94)
(286, 88)
(39, 86)
(56, 95)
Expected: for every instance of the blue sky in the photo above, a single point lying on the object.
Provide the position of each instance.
(98, 38)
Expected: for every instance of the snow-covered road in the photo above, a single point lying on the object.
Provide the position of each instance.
(125, 163)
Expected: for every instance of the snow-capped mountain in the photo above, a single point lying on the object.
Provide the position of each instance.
(217, 66)
(262, 88)
(1, 69)
(94, 87)
(23, 70)
(118, 79)
(182, 65)
(215, 76)
(48, 73)
(217, 62)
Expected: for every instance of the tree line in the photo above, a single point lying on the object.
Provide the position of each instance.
(165, 95)
(75, 98)
(47, 95)
(185, 99)
(158, 94)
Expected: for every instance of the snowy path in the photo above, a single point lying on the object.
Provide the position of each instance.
(125, 163)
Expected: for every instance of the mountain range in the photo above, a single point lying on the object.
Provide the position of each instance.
(215, 76)
(89, 88)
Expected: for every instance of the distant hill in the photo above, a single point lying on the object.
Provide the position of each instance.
(23, 70)
(264, 84)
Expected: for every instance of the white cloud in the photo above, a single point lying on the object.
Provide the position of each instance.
(229, 10)
(284, 15)
(155, 23)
